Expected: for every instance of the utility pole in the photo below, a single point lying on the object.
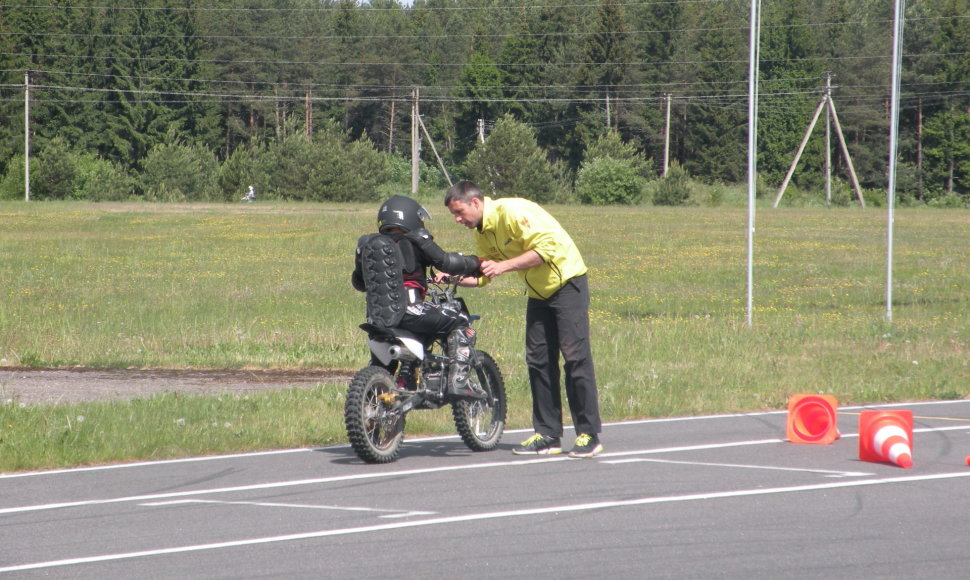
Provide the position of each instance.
(481, 130)
(434, 150)
(27, 136)
(828, 105)
(308, 115)
(919, 148)
(415, 143)
(607, 108)
(667, 139)
(828, 142)
(390, 125)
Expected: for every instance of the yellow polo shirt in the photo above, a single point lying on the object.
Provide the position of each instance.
(512, 226)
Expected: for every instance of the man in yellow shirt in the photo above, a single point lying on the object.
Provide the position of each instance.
(516, 235)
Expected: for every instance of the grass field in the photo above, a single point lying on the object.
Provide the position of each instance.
(235, 286)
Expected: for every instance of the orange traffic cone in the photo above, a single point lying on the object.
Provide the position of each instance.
(812, 419)
(886, 436)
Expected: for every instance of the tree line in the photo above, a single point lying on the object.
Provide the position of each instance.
(312, 99)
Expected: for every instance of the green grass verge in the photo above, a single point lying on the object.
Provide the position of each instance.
(231, 286)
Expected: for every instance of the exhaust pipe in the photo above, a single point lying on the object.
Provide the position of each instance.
(405, 350)
(400, 352)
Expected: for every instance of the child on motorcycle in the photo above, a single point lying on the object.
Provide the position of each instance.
(391, 267)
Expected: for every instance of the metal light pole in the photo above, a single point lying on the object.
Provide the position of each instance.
(752, 143)
(27, 136)
(900, 17)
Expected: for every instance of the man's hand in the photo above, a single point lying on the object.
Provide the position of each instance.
(492, 269)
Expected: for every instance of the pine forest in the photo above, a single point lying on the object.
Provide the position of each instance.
(315, 100)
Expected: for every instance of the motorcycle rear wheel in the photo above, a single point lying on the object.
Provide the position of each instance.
(481, 423)
(374, 430)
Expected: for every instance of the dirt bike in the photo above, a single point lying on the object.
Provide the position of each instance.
(378, 399)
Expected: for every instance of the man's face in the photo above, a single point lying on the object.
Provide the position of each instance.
(467, 214)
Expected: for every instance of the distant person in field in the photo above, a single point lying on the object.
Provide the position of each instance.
(516, 235)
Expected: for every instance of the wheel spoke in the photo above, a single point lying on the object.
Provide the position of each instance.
(374, 431)
(481, 422)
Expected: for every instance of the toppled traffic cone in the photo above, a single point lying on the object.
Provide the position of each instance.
(886, 436)
(812, 419)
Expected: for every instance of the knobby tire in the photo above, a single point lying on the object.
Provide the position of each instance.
(374, 439)
(481, 423)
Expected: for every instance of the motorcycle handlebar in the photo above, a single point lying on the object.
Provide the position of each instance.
(448, 279)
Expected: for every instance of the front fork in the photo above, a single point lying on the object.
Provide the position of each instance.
(421, 382)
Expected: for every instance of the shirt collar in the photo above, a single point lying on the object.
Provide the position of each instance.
(488, 215)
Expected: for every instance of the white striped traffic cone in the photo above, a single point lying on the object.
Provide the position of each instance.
(886, 436)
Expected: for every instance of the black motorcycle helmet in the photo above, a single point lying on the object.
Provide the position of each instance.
(401, 212)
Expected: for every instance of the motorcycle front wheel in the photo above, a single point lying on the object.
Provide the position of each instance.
(374, 428)
(481, 423)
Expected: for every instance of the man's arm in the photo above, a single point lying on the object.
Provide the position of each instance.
(491, 269)
(524, 261)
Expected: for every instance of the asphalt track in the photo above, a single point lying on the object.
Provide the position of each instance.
(699, 497)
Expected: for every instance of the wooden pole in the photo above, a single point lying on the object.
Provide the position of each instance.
(308, 114)
(828, 141)
(607, 108)
(415, 144)
(801, 149)
(390, 125)
(829, 104)
(27, 136)
(667, 139)
(919, 148)
(845, 152)
(441, 163)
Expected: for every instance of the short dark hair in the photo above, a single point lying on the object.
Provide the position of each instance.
(463, 191)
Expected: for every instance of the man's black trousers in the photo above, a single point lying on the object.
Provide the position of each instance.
(557, 325)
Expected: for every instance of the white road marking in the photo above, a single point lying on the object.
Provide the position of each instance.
(692, 447)
(270, 485)
(479, 517)
(444, 520)
(825, 472)
(446, 437)
(154, 463)
(388, 513)
(365, 476)
(923, 430)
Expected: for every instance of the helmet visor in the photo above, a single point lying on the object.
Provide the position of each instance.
(423, 213)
